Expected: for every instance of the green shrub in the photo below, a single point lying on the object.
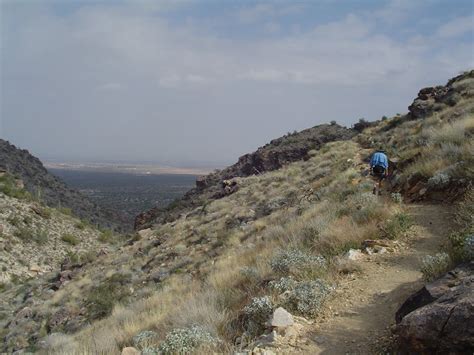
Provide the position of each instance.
(462, 246)
(433, 266)
(103, 297)
(65, 210)
(187, 340)
(28, 234)
(81, 225)
(106, 236)
(250, 274)
(44, 212)
(14, 221)
(71, 239)
(9, 187)
(398, 225)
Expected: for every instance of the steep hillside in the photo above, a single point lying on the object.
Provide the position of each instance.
(272, 156)
(304, 234)
(48, 188)
(35, 239)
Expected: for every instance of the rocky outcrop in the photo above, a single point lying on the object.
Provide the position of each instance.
(432, 99)
(439, 318)
(50, 189)
(272, 156)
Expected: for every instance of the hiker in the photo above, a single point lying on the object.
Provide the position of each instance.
(378, 169)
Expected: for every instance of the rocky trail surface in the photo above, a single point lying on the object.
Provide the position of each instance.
(360, 316)
(365, 308)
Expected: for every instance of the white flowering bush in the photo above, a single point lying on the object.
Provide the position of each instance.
(186, 340)
(257, 313)
(282, 285)
(295, 262)
(469, 247)
(397, 197)
(440, 179)
(143, 339)
(433, 266)
(307, 297)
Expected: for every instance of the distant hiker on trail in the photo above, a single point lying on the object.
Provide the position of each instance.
(378, 169)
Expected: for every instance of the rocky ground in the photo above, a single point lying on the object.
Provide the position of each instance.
(360, 317)
(35, 239)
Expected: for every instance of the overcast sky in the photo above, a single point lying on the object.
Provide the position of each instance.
(203, 82)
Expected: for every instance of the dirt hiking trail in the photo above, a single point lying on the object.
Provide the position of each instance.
(363, 310)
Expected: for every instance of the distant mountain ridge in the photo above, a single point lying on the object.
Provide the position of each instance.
(272, 156)
(50, 189)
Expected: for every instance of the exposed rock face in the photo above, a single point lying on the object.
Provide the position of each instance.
(431, 99)
(440, 317)
(271, 156)
(38, 181)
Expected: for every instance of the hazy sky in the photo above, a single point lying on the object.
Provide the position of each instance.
(206, 81)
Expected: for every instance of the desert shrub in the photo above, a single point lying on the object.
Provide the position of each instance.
(102, 298)
(70, 239)
(187, 340)
(398, 225)
(469, 247)
(396, 197)
(65, 210)
(44, 212)
(307, 297)
(461, 247)
(361, 125)
(439, 180)
(363, 207)
(82, 224)
(465, 211)
(257, 313)
(14, 220)
(433, 266)
(28, 234)
(145, 339)
(250, 275)
(9, 187)
(297, 262)
(106, 236)
(283, 284)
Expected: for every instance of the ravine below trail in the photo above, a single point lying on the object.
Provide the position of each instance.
(360, 315)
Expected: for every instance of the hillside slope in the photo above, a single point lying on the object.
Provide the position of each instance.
(210, 277)
(272, 156)
(50, 189)
(35, 239)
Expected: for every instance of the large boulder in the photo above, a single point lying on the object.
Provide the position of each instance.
(439, 318)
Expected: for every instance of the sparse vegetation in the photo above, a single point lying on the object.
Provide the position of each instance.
(398, 225)
(65, 210)
(28, 234)
(11, 187)
(70, 239)
(277, 240)
(435, 265)
(103, 297)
